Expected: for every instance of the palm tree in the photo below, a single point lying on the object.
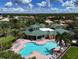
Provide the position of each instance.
(66, 37)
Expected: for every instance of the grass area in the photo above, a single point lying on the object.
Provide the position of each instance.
(7, 39)
(6, 42)
(72, 53)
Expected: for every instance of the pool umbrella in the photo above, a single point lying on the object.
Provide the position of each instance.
(61, 31)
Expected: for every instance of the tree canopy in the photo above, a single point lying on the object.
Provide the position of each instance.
(9, 55)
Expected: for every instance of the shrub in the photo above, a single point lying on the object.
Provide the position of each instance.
(9, 55)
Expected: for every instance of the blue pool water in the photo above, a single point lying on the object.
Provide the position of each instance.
(43, 49)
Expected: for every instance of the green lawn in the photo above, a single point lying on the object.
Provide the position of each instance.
(72, 53)
(6, 42)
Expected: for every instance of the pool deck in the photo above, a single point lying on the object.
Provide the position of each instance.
(19, 44)
(37, 55)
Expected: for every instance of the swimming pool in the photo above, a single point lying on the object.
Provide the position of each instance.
(43, 49)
